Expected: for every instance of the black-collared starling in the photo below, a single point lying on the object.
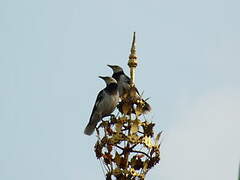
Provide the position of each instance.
(105, 104)
(124, 84)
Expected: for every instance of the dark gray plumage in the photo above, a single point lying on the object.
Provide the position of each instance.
(105, 104)
(124, 84)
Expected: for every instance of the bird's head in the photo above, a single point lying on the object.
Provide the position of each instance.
(108, 80)
(115, 68)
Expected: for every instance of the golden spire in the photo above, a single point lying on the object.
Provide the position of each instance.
(132, 62)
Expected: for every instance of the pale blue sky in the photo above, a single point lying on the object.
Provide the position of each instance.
(51, 53)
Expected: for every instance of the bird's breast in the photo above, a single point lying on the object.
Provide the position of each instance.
(110, 103)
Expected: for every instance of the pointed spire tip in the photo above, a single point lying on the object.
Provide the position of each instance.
(133, 48)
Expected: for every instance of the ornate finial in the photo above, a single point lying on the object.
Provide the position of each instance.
(127, 145)
(132, 62)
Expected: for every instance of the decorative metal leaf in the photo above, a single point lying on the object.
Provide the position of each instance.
(118, 127)
(135, 126)
(126, 108)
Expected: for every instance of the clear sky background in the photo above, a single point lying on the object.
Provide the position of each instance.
(51, 52)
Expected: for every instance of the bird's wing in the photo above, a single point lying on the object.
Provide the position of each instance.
(99, 97)
(98, 100)
(95, 115)
(127, 79)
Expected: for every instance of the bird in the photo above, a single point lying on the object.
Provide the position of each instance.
(122, 79)
(106, 102)
(124, 84)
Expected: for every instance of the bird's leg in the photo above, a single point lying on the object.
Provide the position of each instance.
(112, 116)
(117, 114)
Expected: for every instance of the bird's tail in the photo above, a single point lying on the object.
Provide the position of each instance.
(90, 128)
(95, 118)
